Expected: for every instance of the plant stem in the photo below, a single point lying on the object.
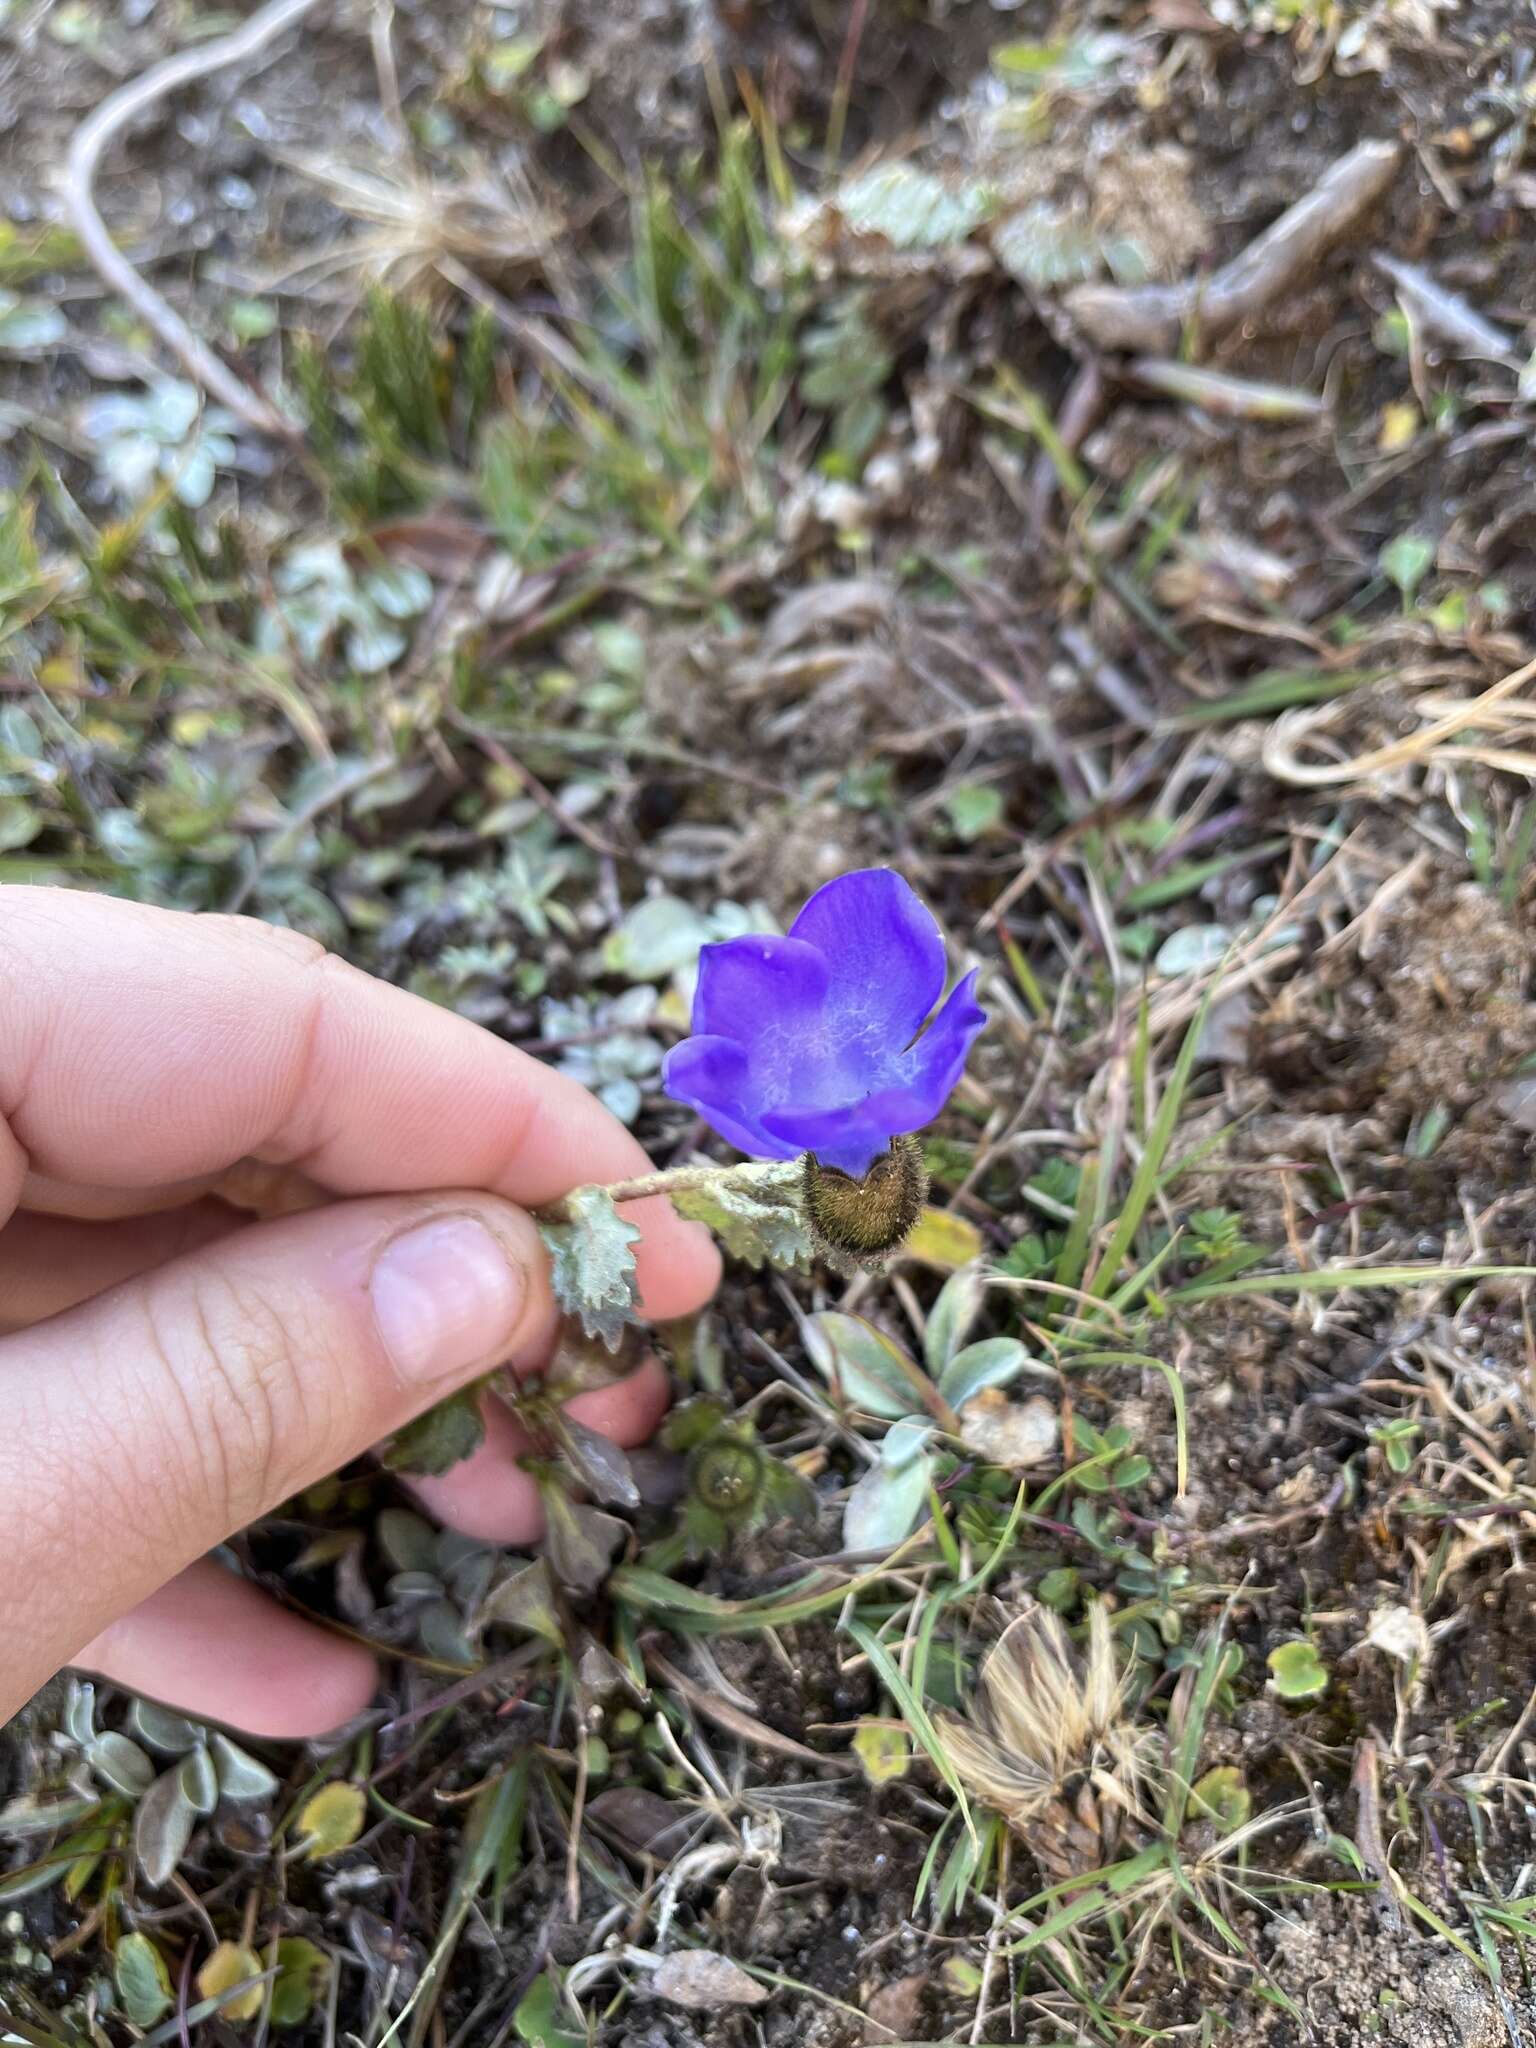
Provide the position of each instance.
(671, 1180)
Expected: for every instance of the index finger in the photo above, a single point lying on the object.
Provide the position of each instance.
(145, 1046)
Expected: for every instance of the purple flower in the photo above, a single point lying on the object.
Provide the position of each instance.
(811, 1043)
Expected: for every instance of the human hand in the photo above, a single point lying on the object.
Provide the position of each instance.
(170, 1370)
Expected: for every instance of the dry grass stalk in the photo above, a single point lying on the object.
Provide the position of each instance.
(1434, 743)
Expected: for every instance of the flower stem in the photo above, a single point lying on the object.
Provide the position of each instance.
(671, 1180)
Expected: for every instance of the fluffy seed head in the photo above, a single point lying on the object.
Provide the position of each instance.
(1050, 1745)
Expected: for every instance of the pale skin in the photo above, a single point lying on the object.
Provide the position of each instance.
(171, 1369)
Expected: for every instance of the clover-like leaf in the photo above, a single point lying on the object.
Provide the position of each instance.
(756, 1211)
(992, 1362)
(302, 1970)
(1222, 1797)
(592, 1266)
(883, 1750)
(863, 1365)
(332, 1819)
(1297, 1672)
(143, 1982)
(230, 1964)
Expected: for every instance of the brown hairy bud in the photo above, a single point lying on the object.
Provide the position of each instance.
(865, 1220)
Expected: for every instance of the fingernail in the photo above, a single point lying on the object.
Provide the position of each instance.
(447, 1296)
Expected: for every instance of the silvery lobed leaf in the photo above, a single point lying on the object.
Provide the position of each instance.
(170, 409)
(756, 1211)
(162, 1827)
(29, 323)
(951, 1317)
(884, 1506)
(863, 1365)
(194, 475)
(80, 1712)
(593, 1266)
(400, 591)
(991, 1363)
(911, 208)
(120, 1764)
(131, 462)
(240, 1775)
(199, 1780)
(372, 646)
(903, 1441)
(171, 1734)
(660, 935)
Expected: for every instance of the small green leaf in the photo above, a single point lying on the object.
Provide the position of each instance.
(537, 2018)
(1058, 1589)
(973, 809)
(442, 1437)
(1405, 561)
(302, 1971)
(142, 1979)
(756, 1211)
(231, 1963)
(883, 1751)
(1297, 1672)
(593, 1267)
(251, 319)
(1221, 1796)
(332, 1820)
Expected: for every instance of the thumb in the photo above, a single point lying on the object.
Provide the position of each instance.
(147, 1425)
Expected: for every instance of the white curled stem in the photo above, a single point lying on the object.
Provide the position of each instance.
(76, 186)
